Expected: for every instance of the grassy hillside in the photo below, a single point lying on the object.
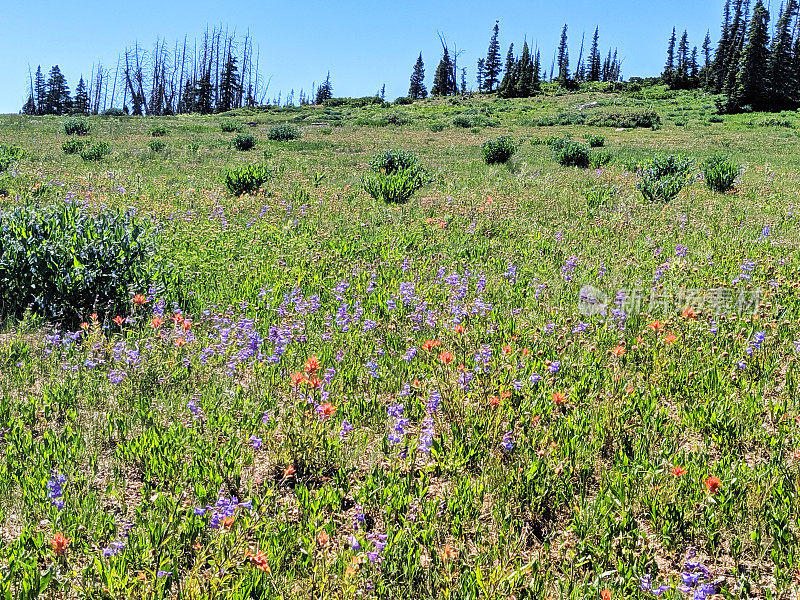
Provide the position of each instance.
(329, 396)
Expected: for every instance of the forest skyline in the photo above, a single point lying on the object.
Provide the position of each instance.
(302, 57)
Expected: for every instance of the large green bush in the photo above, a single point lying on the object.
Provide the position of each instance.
(96, 152)
(499, 150)
(73, 146)
(570, 153)
(627, 118)
(662, 177)
(284, 133)
(247, 179)
(8, 155)
(244, 142)
(64, 263)
(396, 176)
(76, 126)
(720, 174)
(231, 126)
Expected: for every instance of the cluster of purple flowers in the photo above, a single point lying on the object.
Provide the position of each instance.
(118, 545)
(695, 580)
(756, 342)
(224, 508)
(400, 423)
(55, 491)
(568, 270)
(507, 443)
(196, 410)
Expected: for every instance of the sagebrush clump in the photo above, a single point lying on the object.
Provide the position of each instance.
(77, 126)
(244, 142)
(499, 150)
(284, 133)
(662, 177)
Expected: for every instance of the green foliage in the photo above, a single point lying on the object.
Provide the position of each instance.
(353, 102)
(73, 146)
(560, 119)
(398, 118)
(231, 126)
(600, 196)
(157, 131)
(404, 100)
(595, 141)
(720, 173)
(113, 112)
(9, 155)
(75, 126)
(244, 142)
(284, 133)
(599, 159)
(97, 151)
(393, 188)
(662, 177)
(247, 179)
(392, 161)
(627, 118)
(570, 153)
(462, 121)
(157, 145)
(437, 126)
(499, 150)
(64, 263)
(776, 122)
(396, 176)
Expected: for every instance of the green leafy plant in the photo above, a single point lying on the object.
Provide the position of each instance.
(437, 126)
(63, 262)
(598, 159)
(662, 177)
(720, 174)
(284, 133)
(244, 142)
(627, 118)
(570, 153)
(396, 176)
(75, 126)
(247, 179)
(462, 121)
(231, 126)
(157, 145)
(157, 131)
(8, 155)
(600, 196)
(595, 141)
(392, 161)
(499, 150)
(97, 151)
(73, 146)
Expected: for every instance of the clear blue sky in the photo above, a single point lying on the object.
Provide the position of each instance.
(364, 44)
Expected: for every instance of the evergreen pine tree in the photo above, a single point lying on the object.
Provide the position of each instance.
(508, 85)
(229, 86)
(752, 78)
(40, 90)
(203, 93)
(81, 102)
(325, 91)
(681, 77)
(669, 68)
(524, 83)
(706, 70)
(782, 82)
(563, 59)
(719, 66)
(443, 80)
(30, 106)
(607, 67)
(479, 78)
(537, 67)
(694, 68)
(188, 101)
(57, 101)
(491, 72)
(416, 89)
(594, 58)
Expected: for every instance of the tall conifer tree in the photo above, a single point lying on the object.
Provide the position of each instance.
(416, 89)
(492, 66)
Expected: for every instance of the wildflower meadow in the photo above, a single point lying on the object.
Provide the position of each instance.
(389, 356)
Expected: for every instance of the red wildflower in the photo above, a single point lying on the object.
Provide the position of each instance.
(618, 350)
(118, 320)
(507, 349)
(656, 326)
(326, 410)
(288, 471)
(186, 325)
(494, 401)
(559, 398)
(139, 300)
(177, 318)
(459, 329)
(712, 484)
(670, 338)
(446, 357)
(312, 365)
(259, 559)
(605, 595)
(431, 344)
(59, 543)
(297, 379)
(180, 342)
(323, 538)
(678, 471)
(157, 322)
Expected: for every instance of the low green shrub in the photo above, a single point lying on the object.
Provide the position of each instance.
(247, 179)
(462, 121)
(391, 161)
(65, 263)
(437, 126)
(8, 155)
(231, 126)
(600, 196)
(595, 141)
(626, 118)
(73, 146)
(662, 177)
(720, 174)
(570, 153)
(157, 145)
(97, 151)
(397, 118)
(284, 133)
(157, 131)
(244, 142)
(716, 119)
(499, 150)
(404, 100)
(75, 126)
(598, 159)
(560, 119)
(776, 122)
(394, 188)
